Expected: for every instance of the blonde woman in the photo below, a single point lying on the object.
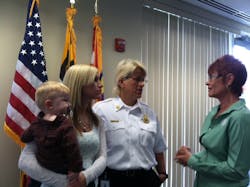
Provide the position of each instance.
(83, 82)
(135, 142)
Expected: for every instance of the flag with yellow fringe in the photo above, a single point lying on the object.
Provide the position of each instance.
(96, 59)
(69, 54)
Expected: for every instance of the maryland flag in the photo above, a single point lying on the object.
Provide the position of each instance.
(97, 49)
(69, 54)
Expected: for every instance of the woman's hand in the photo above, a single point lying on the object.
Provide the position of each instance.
(82, 180)
(183, 154)
(75, 180)
(163, 177)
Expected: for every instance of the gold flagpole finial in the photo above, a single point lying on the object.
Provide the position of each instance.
(72, 3)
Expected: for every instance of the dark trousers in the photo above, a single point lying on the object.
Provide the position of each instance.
(91, 184)
(34, 183)
(130, 178)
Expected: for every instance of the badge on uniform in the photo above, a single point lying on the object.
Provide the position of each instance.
(104, 183)
(145, 118)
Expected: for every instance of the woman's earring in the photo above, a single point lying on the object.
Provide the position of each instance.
(71, 113)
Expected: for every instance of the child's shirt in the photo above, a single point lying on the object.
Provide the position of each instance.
(57, 144)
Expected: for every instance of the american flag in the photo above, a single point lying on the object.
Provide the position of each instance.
(30, 73)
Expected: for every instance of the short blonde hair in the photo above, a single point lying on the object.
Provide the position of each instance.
(124, 69)
(49, 90)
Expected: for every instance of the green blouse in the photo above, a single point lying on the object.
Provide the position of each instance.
(225, 160)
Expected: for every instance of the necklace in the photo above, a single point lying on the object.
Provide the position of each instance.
(86, 126)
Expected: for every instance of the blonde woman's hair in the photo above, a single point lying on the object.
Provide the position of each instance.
(124, 69)
(76, 77)
(49, 90)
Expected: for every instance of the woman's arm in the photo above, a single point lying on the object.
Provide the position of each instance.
(96, 169)
(28, 163)
(160, 167)
(237, 164)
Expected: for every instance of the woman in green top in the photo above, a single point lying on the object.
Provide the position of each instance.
(225, 134)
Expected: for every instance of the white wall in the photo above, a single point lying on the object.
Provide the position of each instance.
(119, 19)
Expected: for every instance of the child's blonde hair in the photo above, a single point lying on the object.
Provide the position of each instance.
(49, 90)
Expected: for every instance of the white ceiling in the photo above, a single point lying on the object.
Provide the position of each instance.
(238, 10)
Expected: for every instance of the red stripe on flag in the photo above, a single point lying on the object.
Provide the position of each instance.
(26, 86)
(21, 108)
(13, 126)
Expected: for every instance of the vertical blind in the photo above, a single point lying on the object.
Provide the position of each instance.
(177, 52)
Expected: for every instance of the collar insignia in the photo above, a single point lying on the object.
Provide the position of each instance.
(117, 107)
(145, 118)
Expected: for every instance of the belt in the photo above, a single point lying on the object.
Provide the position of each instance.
(127, 173)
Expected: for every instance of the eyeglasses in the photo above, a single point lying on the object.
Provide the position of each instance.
(139, 79)
(213, 77)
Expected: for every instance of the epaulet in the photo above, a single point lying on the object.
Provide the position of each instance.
(146, 107)
(103, 101)
(108, 100)
(144, 104)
